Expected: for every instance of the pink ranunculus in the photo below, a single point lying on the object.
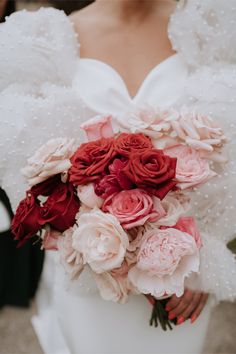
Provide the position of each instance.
(70, 258)
(50, 239)
(188, 224)
(88, 197)
(134, 207)
(98, 127)
(115, 181)
(101, 240)
(165, 258)
(51, 159)
(191, 170)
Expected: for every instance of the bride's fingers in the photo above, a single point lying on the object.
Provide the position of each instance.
(199, 308)
(172, 303)
(185, 301)
(192, 306)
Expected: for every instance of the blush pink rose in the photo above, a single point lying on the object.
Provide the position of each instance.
(113, 288)
(88, 197)
(71, 259)
(165, 258)
(98, 127)
(50, 239)
(191, 170)
(51, 159)
(188, 224)
(134, 208)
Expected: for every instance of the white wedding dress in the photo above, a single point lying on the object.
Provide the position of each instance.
(47, 91)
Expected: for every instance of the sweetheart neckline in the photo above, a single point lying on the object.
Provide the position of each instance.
(109, 67)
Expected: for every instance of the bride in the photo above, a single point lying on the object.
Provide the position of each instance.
(116, 57)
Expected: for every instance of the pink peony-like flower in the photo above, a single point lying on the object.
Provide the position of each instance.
(88, 197)
(188, 224)
(165, 258)
(101, 240)
(70, 258)
(134, 207)
(114, 182)
(191, 170)
(51, 159)
(50, 239)
(98, 127)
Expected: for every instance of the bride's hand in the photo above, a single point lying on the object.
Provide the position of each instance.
(189, 305)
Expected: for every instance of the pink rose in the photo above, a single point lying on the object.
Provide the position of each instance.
(191, 170)
(98, 127)
(70, 258)
(50, 239)
(134, 207)
(51, 159)
(88, 197)
(165, 258)
(188, 224)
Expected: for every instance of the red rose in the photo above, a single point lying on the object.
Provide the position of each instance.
(45, 188)
(131, 143)
(91, 160)
(152, 171)
(25, 223)
(114, 182)
(60, 208)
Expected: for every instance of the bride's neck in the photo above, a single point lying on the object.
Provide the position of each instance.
(128, 10)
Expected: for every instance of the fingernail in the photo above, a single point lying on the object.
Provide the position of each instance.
(193, 318)
(180, 320)
(171, 316)
(167, 308)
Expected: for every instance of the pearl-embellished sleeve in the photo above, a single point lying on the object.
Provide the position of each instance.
(204, 33)
(212, 91)
(38, 62)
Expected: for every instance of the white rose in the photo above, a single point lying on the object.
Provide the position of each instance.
(52, 158)
(101, 240)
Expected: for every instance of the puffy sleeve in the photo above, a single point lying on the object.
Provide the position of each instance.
(204, 32)
(38, 61)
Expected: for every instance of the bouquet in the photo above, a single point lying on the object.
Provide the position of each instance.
(118, 204)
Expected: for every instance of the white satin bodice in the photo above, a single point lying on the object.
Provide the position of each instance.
(103, 90)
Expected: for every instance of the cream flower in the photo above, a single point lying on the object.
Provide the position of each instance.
(51, 159)
(101, 240)
(175, 205)
(88, 197)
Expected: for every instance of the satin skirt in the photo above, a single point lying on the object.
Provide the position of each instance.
(69, 323)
